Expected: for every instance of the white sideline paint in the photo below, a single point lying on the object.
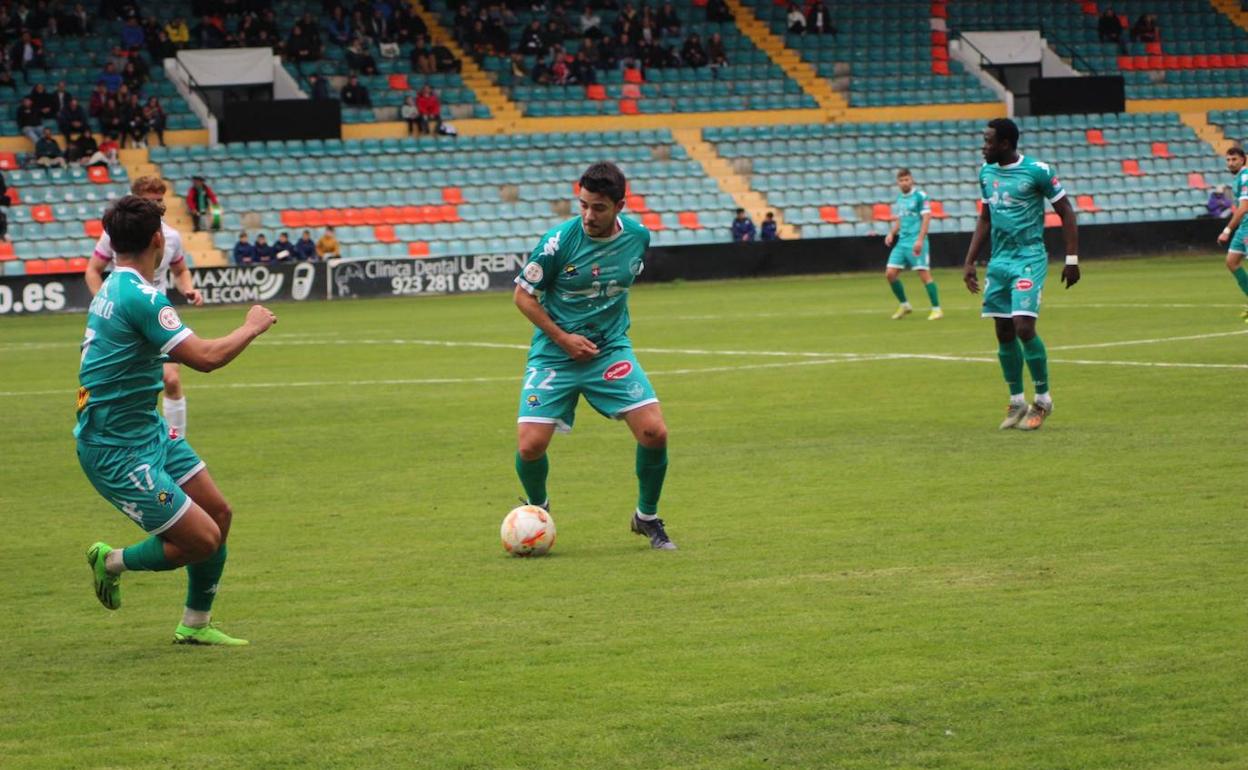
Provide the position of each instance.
(1124, 343)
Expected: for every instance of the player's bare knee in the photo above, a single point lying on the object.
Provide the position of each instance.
(532, 447)
(1005, 331)
(1024, 327)
(1233, 261)
(202, 545)
(653, 435)
(891, 274)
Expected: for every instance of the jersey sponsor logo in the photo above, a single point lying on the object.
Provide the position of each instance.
(84, 396)
(533, 273)
(169, 318)
(618, 371)
(532, 400)
(151, 291)
(164, 498)
(1024, 187)
(570, 271)
(551, 245)
(1023, 284)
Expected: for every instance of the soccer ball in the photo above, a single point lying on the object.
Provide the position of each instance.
(528, 531)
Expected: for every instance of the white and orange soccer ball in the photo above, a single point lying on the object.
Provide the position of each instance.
(528, 531)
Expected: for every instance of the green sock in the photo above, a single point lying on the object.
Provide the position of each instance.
(1241, 278)
(932, 294)
(202, 579)
(148, 556)
(532, 475)
(899, 291)
(651, 469)
(1037, 363)
(1011, 356)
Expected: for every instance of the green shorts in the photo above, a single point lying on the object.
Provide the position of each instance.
(144, 482)
(1239, 239)
(613, 383)
(1013, 286)
(902, 256)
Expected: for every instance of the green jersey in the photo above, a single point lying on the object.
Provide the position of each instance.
(1240, 193)
(130, 328)
(909, 209)
(1015, 196)
(584, 282)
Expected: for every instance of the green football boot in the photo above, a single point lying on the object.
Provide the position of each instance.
(107, 587)
(208, 634)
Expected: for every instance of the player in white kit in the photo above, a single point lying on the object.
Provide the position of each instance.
(173, 261)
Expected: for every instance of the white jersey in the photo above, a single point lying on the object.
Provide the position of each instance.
(173, 253)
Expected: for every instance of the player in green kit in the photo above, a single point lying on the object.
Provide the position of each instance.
(574, 289)
(913, 213)
(1235, 234)
(126, 449)
(1013, 189)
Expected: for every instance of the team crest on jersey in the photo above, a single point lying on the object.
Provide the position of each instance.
(1024, 187)
(533, 273)
(164, 498)
(1023, 284)
(635, 390)
(532, 400)
(169, 318)
(570, 271)
(618, 371)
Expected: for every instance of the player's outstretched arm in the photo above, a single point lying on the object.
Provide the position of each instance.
(206, 355)
(577, 347)
(1070, 234)
(982, 228)
(95, 274)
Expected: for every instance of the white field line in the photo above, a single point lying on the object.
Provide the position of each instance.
(1124, 343)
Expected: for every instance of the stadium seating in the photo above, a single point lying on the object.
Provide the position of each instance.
(476, 195)
(54, 222)
(1234, 123)
(1201, 53)
(828, 179)
(888, 52)
(750, 81)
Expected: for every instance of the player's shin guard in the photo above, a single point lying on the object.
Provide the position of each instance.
(532, 475)
(148, 556)
(1037, 363)
(202, 579)
(1241, 278)
(651, 470)
(1011, 356)
(933, 294)
(899, 291)
(175, 414)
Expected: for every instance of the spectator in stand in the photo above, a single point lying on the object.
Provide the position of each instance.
(818, 21)
(244, 251)
(796, 20)
(179, 34)
(136, 122)
(768, 231)
(45, 103)
(532, 42)
(693, 54)
(668, 20)
(264, 250)
(582, 69)
(199, 201)
(99, 97)
(74, 23)
(422, 56)
(82, 149)
(359, 57)
(1145, 29)
(107, 154)
(559, 72)
(283, 249)
(318, 88)
(305, 248)
(327, 247)
(6, 72)
(156, 119)
(28, 120)
(338, 27)
(742, 227)
(355, 95)
(5, 200)
(410, 114)
(429, 107)
(132, 35)
(1109, 29)
(132, 78)
(715, 52)
(445, 60)
(26, 54)
(1220, 205)
(112, 121)
(48, 152)
(73, 121)
(591, 23)
(300, 46)
(62, 96)
(160, 47)
(717, 10)
(208, 33)
(110, 77)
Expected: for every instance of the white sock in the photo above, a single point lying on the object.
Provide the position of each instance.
(195, 618)
(114, 563)
(1017, 399)
(175, 414)
(647, 516)
(905, 304)
(1044, 398)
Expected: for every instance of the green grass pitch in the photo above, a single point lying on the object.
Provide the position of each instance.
(870, 574)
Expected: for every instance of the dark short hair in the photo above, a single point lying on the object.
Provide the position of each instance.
(605, 179)
(1236, 151)
(740, 211)
(903, 172)
(130, 223)
(1006, 129)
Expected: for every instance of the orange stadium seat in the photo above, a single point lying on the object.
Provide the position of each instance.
(398, 82)
(938, 210)
(628, 106)
(830, 214)
(384, 234)
(452, 195)
(8, 161)
(882, 212)
(314, 218)
(652, 220)
(1161, 150)
(1196, 181)
(6, 251)
(1051, 219)
(93, 228)
(418, 249)
(334, 218)
(449, 213)
(36, 267)
(294, 218)
(1095, 136)
(98, 174)
(42, 213)
(1131, 167)
(596, 91)
(636, 203)
(78, 265)
(14, 197)
(633, 76)
(57, 265)
(940, 68)
(689, 220)
(1086, 203)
